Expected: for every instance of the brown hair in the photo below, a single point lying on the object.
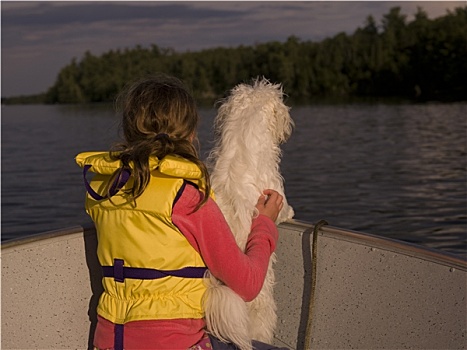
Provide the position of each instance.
(159, 118)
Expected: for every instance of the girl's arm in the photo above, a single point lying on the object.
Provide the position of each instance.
(208, 232)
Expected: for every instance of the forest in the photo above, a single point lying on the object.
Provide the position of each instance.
(423, 59)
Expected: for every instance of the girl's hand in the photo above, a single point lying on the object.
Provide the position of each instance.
(270, 204)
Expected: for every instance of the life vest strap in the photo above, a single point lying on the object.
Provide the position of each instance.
(120, 272)
(118, 337)
(116, 186)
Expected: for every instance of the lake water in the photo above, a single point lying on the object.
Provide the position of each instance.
(395, 170)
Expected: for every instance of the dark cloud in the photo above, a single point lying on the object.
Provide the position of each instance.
(79, 19)
(48, 14)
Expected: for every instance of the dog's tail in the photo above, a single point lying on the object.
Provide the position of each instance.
(226, 315)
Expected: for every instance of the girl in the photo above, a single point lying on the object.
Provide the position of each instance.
(159, 230)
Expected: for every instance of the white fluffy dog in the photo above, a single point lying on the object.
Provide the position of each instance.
(250, 125)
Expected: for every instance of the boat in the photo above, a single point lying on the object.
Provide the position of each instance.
(336, 289)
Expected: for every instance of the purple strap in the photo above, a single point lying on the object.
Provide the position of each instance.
(117, 270)
(116, 186)
(120, 272)
(118, 337)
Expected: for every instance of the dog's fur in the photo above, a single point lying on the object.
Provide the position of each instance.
(250, 125)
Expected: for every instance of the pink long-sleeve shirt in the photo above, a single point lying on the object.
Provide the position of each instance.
(208, 232)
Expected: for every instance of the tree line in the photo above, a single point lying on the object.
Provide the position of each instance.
(422, 59)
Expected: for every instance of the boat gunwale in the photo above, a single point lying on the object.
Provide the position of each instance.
(16, 242)
(383, 243)
(303, 227)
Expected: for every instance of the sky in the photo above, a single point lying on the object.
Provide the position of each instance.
(39, 38)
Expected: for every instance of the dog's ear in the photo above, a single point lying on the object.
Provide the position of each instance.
(283, 123)
(280, 122)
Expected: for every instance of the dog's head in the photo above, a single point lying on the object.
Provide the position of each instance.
(267, 99)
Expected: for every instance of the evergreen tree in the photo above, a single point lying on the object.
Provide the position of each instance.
(424, 59)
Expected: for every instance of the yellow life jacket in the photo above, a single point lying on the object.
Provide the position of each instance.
(138, 236)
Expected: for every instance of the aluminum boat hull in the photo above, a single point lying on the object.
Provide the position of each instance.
(348, 291)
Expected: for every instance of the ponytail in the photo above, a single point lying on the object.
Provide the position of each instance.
(159, 118)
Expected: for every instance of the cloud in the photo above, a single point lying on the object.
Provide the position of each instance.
(64, 19)
(52, 14)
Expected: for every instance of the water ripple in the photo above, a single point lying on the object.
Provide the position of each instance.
(393, 170)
